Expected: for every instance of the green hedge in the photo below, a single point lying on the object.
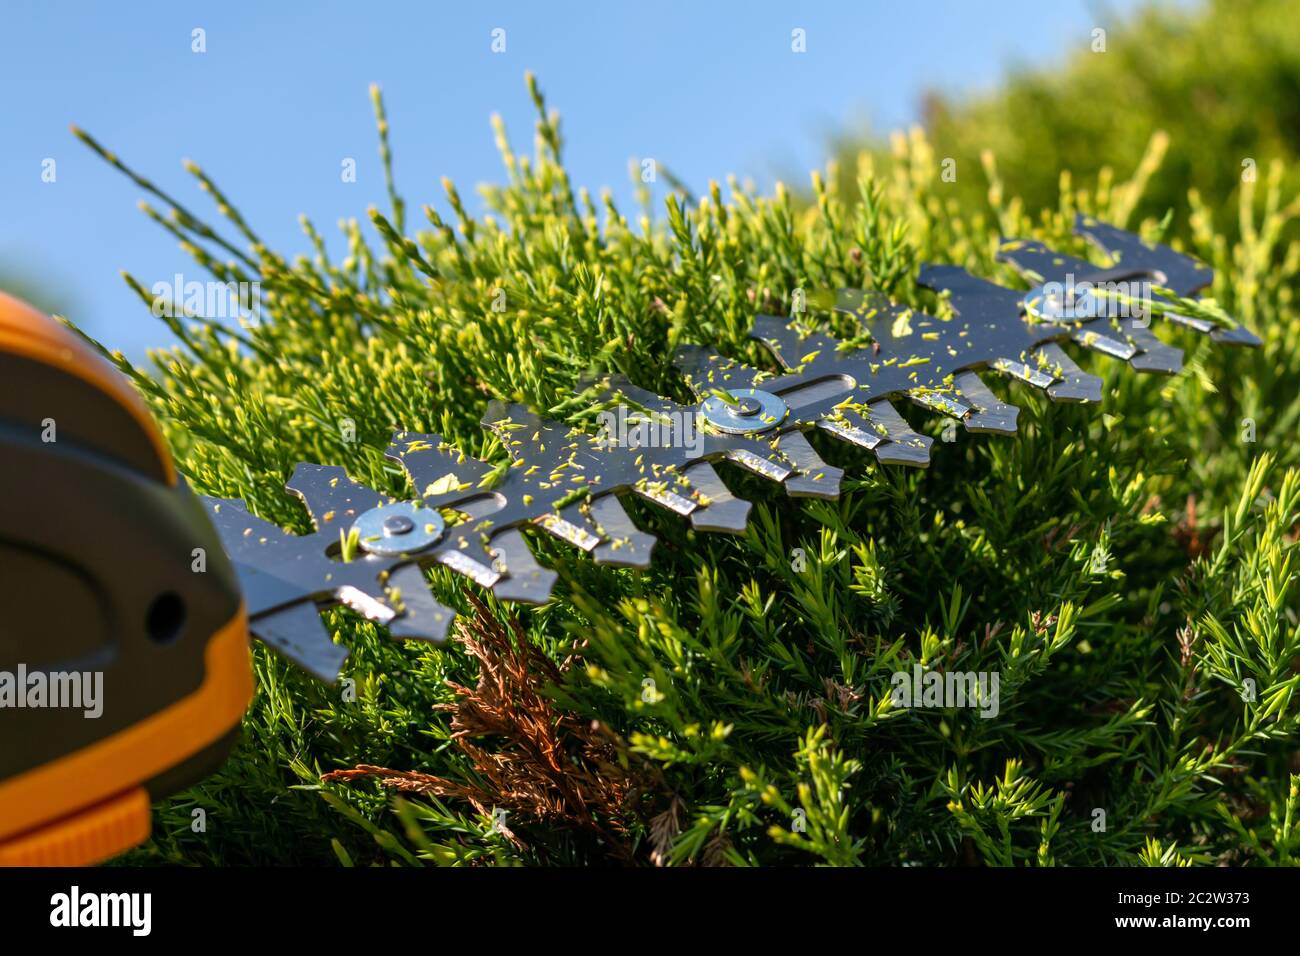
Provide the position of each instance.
(1125, 570)
(1213, 85)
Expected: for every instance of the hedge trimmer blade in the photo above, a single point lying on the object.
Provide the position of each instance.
(846, 390)
(749, 426)
(369, 551)
(1149, 268)
(287, 577)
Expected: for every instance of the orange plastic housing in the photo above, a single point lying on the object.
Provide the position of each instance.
(92, 800)
(31, 334)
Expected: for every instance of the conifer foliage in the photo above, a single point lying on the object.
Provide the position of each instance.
(1127, 572)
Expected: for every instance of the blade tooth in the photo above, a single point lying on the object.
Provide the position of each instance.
(813, 478)
(498, 414)
(793, 348)
(524, 580)
(1238, 336)
(972, 297)
(263, 589)
(721, 511)
(420, 617)
(904, 447)
(234, 509)
(515, 425)
(1153, 355)
(463, 546)
(332, 498)
(276, 568)
(1159, 363)
(912, 452)
(1204, 326)
(513, 420)
(675, 499)
(989, 413)
(368, 600)
(1073, 383)
(298, 634)
(466, 538)
(238, 527)
(624, 544)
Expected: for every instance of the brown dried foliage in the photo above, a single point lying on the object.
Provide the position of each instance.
(529, 757)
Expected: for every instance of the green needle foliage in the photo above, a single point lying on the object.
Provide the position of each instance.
(1217, 82)
(1127, 572)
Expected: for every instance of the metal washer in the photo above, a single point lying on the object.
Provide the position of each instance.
(1044, 306)
(399, 528)
(770, 412)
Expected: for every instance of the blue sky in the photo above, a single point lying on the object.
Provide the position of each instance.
(279, 99)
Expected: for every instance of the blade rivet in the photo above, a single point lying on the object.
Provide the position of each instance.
(402, 527)
(752, 410)
(398, 524)
(1057, 304)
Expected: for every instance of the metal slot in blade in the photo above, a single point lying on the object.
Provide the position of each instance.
(940, 402)
(821, 390)
(1026, 373)
(666, 498)
(462, 563)
(568, 531)
(1094, 340)
(758, 465)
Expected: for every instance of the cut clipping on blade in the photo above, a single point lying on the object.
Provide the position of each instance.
(369, 551)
